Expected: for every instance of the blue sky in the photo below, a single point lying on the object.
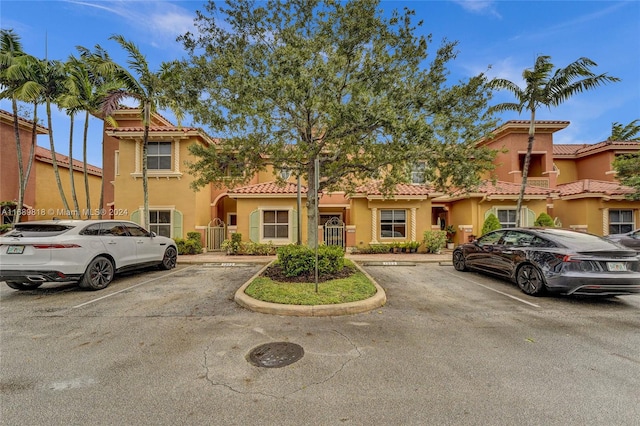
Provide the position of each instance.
(506, 36)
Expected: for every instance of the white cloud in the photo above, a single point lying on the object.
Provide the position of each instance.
(481, 7)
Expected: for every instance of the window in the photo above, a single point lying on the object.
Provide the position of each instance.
(116, 163)
(507, 217)
(159, 156)
(620, 221)
(275, 224)
(491, 237)
(160, 222)
(417, 173)
(393, 223)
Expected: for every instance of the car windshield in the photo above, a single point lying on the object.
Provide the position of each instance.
(37, 230)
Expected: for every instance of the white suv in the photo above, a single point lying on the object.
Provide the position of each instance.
(89, 252)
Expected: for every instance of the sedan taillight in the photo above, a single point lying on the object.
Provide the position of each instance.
(567, 258)
(55, 246)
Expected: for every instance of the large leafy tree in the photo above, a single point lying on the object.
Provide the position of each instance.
(630, 132)
(546, 88)
(334, 82)
(627, 167)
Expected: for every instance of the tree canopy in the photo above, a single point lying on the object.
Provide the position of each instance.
(630, 132)
(338, 82)
(627, 167)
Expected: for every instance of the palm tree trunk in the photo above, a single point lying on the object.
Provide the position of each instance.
(84, 164)
(525, 167)
(56, 172)
(21, 180)
(145, 182)
(74, 197)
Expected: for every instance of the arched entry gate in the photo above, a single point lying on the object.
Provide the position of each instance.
(334, 232)
(216, 232)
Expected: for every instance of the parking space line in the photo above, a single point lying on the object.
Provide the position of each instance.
(494, 290)
(133, 286)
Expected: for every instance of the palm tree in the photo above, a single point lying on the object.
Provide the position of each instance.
(546, 89)
(51, 76)
(630, 132)
(16, 83)
(146, 89)
(93, 88)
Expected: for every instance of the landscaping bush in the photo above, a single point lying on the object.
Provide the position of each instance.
(190, 245)
(234, 245)
(258, 249)
(491, 223)
(298, 260)
(544, 220)
(434, 240)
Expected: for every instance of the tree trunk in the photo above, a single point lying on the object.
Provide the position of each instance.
(145, 182)
(21, 179)
(84, 164)
(312, 200)
(56, 172)
(72, 182)
(525, 167)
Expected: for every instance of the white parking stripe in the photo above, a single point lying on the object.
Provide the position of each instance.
(493, 289)
(133, 286)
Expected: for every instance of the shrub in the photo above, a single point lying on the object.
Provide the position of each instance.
(544, 220)
(234, 245)
(298, 260)
(190, 245)
(491, 223)
(434, 240)
(375, 249)
(258, 249)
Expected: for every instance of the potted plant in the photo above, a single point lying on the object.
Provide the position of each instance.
(434, 240)
(451, 231)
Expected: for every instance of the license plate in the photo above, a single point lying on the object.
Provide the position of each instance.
(616, 266)
(15, 250)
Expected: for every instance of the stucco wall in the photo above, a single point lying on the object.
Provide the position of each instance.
(48, 203)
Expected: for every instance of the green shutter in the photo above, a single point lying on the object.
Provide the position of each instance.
(177, 224)
(135, 217)
(254, 226)
(529, 218)
(294, 222)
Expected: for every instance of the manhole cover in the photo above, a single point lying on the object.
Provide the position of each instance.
(275, 354)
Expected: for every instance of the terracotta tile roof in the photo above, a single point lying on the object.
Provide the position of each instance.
(7, 117)
(124, 132)
(44, 155)
(269, 188)
(579, 150)
(510, 188)
(499, 190)
(402, 189)
(591, 186)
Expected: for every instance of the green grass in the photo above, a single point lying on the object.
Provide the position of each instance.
(354, 288)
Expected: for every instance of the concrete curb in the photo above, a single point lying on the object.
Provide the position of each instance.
(376, 301)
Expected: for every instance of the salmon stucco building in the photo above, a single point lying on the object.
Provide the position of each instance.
(42, 198)
(575, 184)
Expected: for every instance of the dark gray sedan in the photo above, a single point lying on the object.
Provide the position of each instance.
(554, 260)
(630, 239)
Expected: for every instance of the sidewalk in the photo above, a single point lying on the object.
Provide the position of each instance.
(220, 257)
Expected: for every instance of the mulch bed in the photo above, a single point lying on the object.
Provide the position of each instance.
(275, 273)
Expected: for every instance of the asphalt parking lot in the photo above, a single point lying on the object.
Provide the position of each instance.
(167, 348)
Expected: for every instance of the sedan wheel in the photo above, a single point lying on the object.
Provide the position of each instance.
(530, 280)
(458, 261)
(169, 259)
(23, 286)
(99, 274)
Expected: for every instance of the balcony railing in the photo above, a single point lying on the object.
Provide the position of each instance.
(540, 182)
